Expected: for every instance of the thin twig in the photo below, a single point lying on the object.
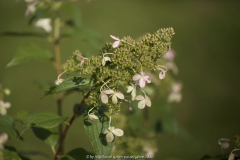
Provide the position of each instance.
(72, 119)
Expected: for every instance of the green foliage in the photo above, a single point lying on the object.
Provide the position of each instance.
(43, 119)
(68, 84)
(77, 154)
(30, 52)
(10, 155)
(94, 131)
(73, 12)
(84, 33)
(49, 136)
(7, 122)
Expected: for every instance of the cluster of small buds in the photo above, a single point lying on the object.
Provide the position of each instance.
(3, 107)
(122, 63)
(3, 139)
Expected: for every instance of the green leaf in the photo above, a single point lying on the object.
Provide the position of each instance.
(82, 110)
(73, 12)
(10, 155)
(21, 116)
(7, 122)
(30, 52)
(78, 153)
(49, 136)
(43, 119)
(86, 34)
(67, 84)
(94, 131)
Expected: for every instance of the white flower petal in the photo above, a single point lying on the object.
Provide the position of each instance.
(142, 83)
(108, 91)
(136, 77)
(3, 111)
(148, 101)
(115, 38)
(104, 98)
(3, 138)
(147, 79)
(105, 131)
(7, 105)
(103, 62)
(119, 95)
(141, 104)
(129, 88)
(44, 23)
(93, 117)
(118, 132)
(109, 137)
(114, 99)
(133, 94)
(116, 44)
(231, 157)
(107, 59)
(162, 74)
(57, 82)
(139, 97)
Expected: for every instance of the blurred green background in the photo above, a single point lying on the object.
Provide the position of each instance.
(207, 46)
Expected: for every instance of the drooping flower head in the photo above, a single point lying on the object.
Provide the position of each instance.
(224, 143)
(105, 59)
(59, 80)
(92, 116)
(116, 44)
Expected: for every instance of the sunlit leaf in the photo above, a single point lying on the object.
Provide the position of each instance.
(67, 84)
(94, 131)
(43, 119)
(30, 52)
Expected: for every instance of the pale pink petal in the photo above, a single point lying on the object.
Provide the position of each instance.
(108, 91)
(105, 131)
(116, 44)
(159, 68)
(141, 104)
(147, 79)
(162, 74)
(142, 73)
(7, 105)
(129, 88)
(104, 98)
(119, 95)
(142, 83)
(3, 138)
(139, 97)
(231, 157)
(148, 101)
(113, 37)
(82, 62)
(114, 99)
(225, 145)
(109, 137)
(136, 77)
(117, 132)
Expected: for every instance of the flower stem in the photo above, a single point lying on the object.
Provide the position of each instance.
(72, 119)
(58, 68)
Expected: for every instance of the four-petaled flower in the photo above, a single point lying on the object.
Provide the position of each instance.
(110, 131)
(162, 72)
(3, 107)
(143, 101)
(115, 96)
(141, 79)
(3, 139)
(131, 88)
